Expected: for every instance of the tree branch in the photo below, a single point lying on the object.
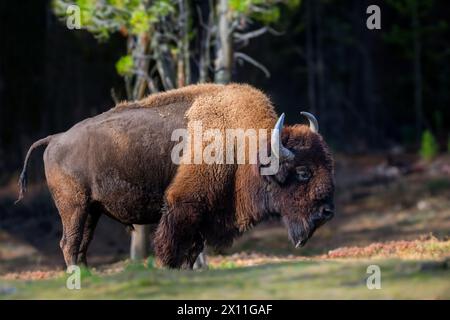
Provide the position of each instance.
(260, 66)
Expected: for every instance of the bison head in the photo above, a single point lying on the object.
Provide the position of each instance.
(302, 190)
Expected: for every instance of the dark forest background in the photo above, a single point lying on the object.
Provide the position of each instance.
(362, 84)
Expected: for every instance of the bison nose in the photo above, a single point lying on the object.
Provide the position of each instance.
(327, 212)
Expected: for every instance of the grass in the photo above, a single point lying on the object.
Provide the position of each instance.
(418, 269)
(327, 279)
(415, 269)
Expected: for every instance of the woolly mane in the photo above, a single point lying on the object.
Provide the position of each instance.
(217, 106)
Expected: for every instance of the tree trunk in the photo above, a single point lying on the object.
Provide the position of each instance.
(165, 66)
(205, 45)
(140, 242)
(186, 52)
(140, 52)
(224, 46)
(139, 247)
(182, 44)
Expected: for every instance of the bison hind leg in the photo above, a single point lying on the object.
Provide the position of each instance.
(73, 220)
(71, 200)
(88, 233)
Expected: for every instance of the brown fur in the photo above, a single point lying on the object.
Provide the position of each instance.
(118, 163)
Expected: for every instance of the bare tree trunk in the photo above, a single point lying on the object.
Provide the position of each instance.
(165, 68)
(224, 45)
(186, 52)
(417, 69)
(140, 239)
(183, 55)
(181, 82)
(141, 51)
(181, 44)
(205, 45)
(139, 247)
(129, 79)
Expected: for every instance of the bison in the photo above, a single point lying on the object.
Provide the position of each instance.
(119, 164)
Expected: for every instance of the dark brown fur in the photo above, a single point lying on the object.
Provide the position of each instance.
(118, 163)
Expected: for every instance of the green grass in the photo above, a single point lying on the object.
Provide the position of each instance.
(294, 280)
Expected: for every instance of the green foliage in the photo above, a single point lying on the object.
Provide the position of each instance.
(241, 6)
(125, 65)
(102, 18)
(124, 4)
(161, 8)
(262, 10)
(292, 4)
(429, 148)
(139, 22)
(268, 16)
(142, 19)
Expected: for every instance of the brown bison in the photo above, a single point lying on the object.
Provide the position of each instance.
(119, 164)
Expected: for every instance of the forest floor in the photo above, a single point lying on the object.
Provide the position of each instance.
(393, 214)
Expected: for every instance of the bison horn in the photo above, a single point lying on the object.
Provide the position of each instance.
(313, 123)
(284, 153)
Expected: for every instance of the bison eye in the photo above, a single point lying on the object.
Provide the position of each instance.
(303, 174)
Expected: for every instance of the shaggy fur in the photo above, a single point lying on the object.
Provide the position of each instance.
(118, 163)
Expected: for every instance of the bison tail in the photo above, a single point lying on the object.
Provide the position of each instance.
(23, 174)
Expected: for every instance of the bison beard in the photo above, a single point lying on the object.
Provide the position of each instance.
(126, 172)
(299, 232)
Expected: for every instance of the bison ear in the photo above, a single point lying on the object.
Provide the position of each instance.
(281, 176)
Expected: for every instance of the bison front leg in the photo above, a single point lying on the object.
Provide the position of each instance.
(177, 239)
(190, 197)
